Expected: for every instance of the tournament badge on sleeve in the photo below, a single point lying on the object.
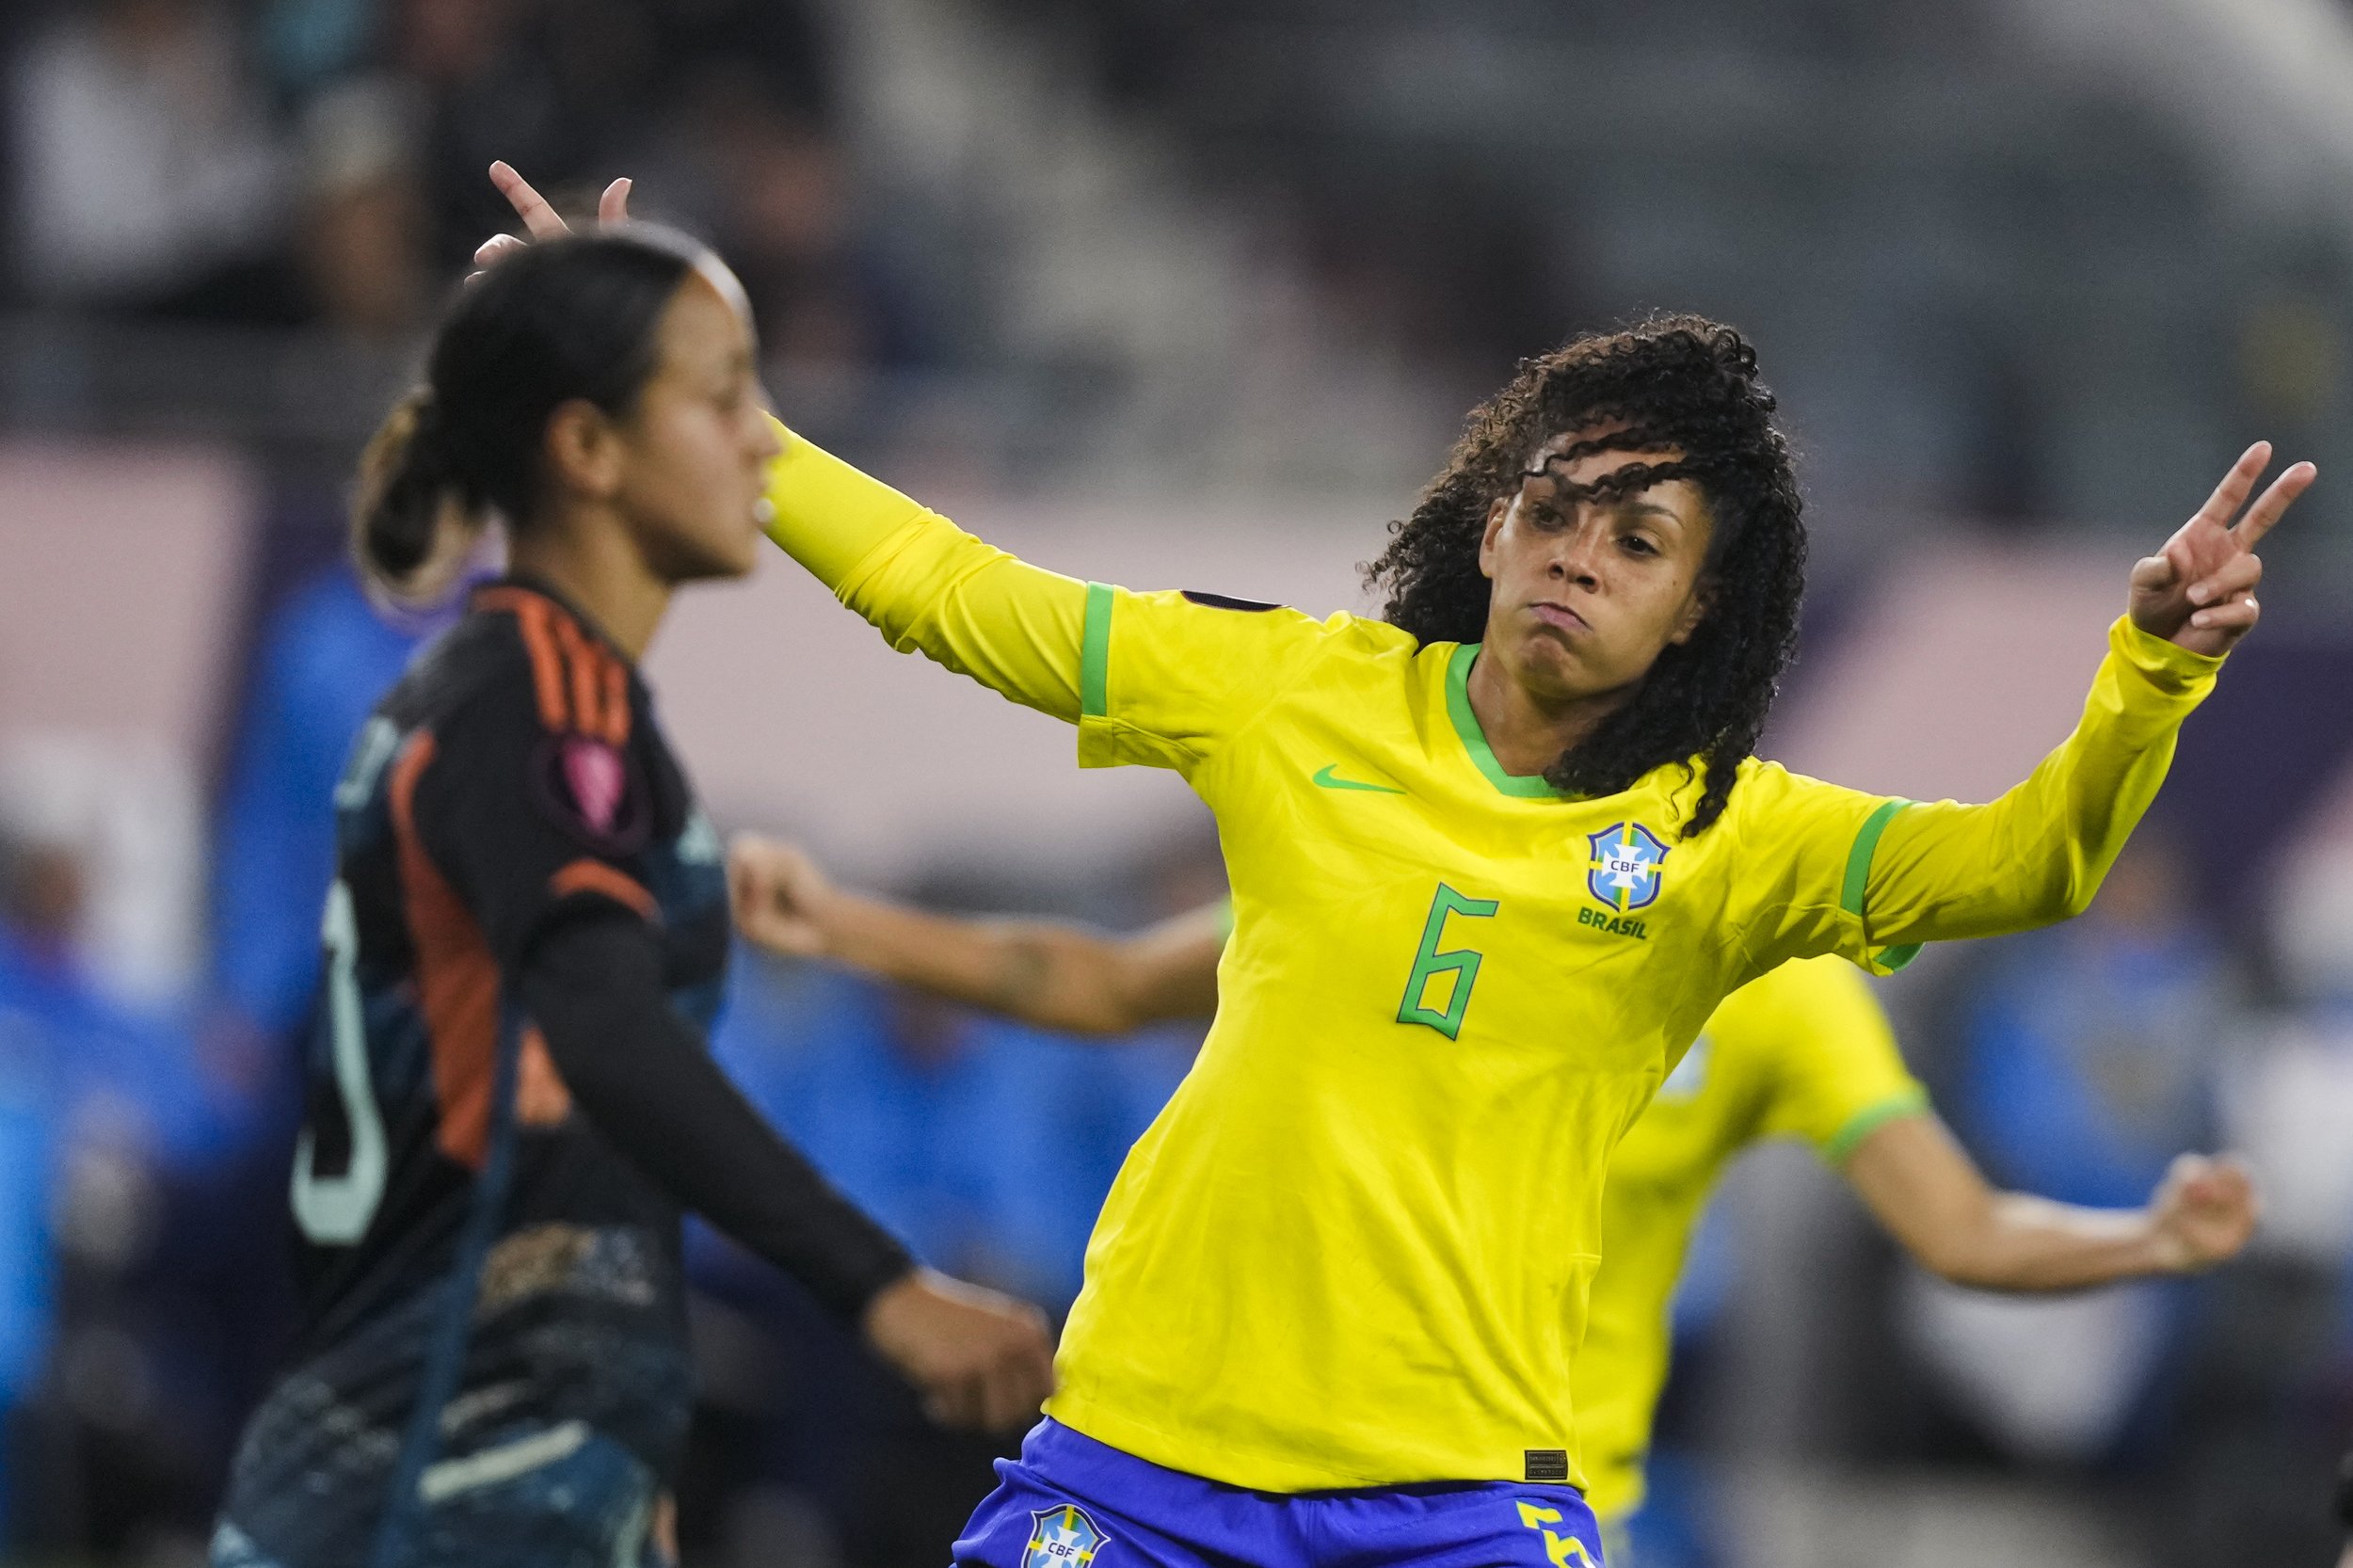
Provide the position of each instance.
(590, 787)
(1060, 1537)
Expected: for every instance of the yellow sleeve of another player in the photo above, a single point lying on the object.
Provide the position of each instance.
(1837, 870)
(1836, 1073)
(1156, 678)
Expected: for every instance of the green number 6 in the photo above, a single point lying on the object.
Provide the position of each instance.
(1429, 962)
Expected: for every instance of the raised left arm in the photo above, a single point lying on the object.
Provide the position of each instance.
(1928, 1194)
(2038, 854)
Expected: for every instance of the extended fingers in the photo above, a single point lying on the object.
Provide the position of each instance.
(2229, 495)
(2273, 503)
(543, 221)
(539, 217)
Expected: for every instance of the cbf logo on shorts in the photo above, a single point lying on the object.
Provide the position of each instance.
(1623, 873)
(1060, 1537)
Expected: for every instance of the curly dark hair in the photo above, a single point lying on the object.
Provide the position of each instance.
(1677, 383)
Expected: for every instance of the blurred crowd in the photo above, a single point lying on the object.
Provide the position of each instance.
(321, 162)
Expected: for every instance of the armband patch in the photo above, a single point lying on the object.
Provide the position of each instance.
(1220, 601)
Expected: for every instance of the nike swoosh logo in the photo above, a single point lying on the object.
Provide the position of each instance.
(1324, 779)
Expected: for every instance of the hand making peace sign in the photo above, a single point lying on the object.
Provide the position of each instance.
(541, 221)
(2199, 590)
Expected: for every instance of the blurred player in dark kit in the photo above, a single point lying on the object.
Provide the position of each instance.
(510, 1102)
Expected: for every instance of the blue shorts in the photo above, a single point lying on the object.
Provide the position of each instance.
(1071, 1502)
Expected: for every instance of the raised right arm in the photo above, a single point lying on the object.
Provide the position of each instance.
(927, 584)
(1163, 678)
(922, 581)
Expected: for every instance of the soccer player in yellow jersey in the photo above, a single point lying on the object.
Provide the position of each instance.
(1478, 919)
(1804, 1053)
(1495, 859)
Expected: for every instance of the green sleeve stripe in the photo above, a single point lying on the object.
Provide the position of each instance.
(1842, 1143)
(1892, 959)
(1866, 843)
(1095, 653)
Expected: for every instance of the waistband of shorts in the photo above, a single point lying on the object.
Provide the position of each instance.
(1100, 1470)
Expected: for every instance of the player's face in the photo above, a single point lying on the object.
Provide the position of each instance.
(697, 446)
(1588, 592)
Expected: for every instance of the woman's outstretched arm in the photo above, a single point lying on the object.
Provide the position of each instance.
(924, 583)
(1162, 678)
(1835, 870)
(2039, 853)
(1930, 1196)
(927, 584)
(1049, 973)
(642, 1076)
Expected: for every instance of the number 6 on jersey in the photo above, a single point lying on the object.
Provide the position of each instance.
(1430, 963)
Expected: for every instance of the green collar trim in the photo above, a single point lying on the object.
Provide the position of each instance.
(1525, 786)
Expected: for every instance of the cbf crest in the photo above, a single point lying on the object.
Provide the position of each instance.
(1624, 868)
(1060, 1537)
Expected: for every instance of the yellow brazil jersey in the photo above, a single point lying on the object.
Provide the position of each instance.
(1805, 1052)
(1353, 1249)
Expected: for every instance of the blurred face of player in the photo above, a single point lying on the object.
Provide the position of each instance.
(1588, 592)
(692, 452)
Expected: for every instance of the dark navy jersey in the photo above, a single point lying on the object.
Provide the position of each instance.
(466, 1234)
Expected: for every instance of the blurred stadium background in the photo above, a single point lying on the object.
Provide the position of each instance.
(1194, 293)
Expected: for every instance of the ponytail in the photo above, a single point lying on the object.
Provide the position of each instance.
(411, 522)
